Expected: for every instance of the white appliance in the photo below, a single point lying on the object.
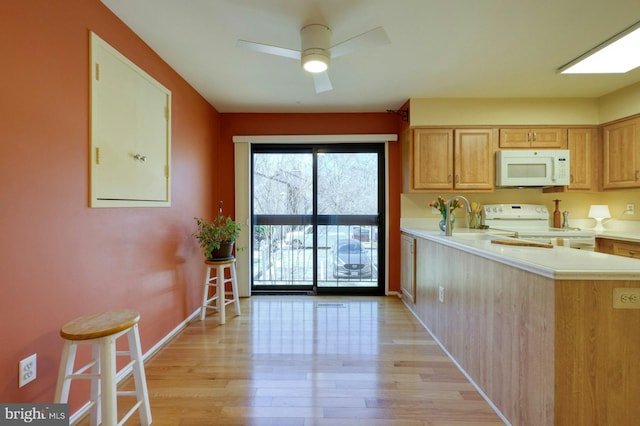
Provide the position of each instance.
(532, 167)
(531, 222)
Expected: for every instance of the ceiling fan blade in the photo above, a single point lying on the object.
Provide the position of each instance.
(372, 38)
(322, 82)
(271, 50)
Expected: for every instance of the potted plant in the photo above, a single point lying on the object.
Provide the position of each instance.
(217, 236)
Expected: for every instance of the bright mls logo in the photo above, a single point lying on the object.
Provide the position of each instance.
(34, 414)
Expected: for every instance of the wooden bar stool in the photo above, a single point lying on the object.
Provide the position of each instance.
(219, 282)
(101, 331)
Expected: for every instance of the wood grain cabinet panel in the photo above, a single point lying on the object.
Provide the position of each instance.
(617, 247)
(621, 155)
(474, 159)
(583, 169)
(544, 351)
(432, 159)
(541, 137)
(445, 159)
(408, 269)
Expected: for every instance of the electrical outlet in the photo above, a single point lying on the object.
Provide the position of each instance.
(631, 209)
(27, 370)
(441, 294)
(626, 298)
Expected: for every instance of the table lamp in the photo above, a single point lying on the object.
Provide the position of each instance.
(599, 212)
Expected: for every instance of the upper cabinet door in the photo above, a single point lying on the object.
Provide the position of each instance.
(432, 151)
(549, 137)
(583, 171)
(621, 155)
(515, 138)
(446, 159)
(542, 137)
(474, 159)
(130, 133)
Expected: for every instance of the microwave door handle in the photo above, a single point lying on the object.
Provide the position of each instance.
(553, 170)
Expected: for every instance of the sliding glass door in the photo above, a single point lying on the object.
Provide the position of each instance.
(317, 211)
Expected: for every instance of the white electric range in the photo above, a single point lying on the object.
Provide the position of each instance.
(532, 222)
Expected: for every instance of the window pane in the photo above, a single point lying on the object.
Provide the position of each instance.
(283, 184)
(348, 183)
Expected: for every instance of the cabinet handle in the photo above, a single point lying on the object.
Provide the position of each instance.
(457, 178)
(449, 179)
(140, 157)
(528, 136)
(637, 174)
(571, 178)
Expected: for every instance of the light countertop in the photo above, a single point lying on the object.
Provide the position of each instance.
(619, 235)
(559, 263)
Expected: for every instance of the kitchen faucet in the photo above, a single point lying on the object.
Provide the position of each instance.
(447, 219)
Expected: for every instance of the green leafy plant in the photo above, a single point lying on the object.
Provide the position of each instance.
(211, 234)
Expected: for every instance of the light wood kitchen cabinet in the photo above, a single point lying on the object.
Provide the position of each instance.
(540, 137)
(432, 159)
(621, 155)
(617, 247)
(408, 268)
(452, 159)
(582, 167)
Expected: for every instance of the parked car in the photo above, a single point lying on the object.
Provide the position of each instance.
(328, 236)
(351, 260)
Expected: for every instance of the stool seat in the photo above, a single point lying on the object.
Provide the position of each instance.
(217, 262)
(100, 331)
(219, 282)
(99, 325)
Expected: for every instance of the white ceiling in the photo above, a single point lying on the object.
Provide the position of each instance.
(439, 49)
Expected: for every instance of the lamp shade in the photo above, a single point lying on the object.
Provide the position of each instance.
(599, 211)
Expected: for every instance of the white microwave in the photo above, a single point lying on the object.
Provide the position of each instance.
(532, 167)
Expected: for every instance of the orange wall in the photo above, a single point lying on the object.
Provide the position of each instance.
(322, 124)
(58, 258)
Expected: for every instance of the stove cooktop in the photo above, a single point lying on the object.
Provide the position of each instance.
(527, 220)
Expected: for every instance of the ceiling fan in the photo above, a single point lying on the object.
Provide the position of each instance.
(316, 50)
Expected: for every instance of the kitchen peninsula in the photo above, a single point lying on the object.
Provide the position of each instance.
(534, 328)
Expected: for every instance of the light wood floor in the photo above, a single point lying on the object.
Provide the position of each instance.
(302, 361)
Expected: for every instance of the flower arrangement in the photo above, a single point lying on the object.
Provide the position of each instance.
(441, 204)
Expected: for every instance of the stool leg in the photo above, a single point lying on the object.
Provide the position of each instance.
(139, 376)
(66, 368)
(108, 391)
(221, 300)
(95, 412)
(203, 309)
(234, 288)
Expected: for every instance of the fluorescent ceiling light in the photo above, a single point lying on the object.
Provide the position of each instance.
(617, 55)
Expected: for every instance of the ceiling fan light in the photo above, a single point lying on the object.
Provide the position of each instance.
(315, 62)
